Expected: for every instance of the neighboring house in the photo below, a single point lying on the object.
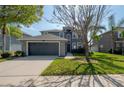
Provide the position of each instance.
(105, 42)
(12, 43)
(52, 42)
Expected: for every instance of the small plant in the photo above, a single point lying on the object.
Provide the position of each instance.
(6, 55)
(116, 51)
(80, 50)
(0, 53)
(19, 54)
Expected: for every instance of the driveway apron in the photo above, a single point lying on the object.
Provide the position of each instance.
(24, 68)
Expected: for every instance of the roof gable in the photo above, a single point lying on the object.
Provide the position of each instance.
(49, 37)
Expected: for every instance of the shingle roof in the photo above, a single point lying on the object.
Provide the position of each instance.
(48, 37)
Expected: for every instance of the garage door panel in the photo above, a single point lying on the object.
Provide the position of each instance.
(43, 48)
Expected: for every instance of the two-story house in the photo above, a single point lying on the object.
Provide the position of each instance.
(74, 41)
(52, 42)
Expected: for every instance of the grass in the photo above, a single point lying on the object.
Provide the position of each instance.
(4, 59)
(106, 64)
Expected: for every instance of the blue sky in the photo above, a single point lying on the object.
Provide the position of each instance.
(34, 29)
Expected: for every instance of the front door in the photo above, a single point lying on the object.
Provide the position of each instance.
(68, 48)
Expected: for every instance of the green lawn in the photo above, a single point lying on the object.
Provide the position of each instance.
(105, 64)
(4, 59)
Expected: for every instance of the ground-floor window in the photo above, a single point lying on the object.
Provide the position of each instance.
(74, 45)
(79, 45)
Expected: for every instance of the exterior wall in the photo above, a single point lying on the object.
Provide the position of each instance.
(24, 47)
(61, 34)
(7, 42)
(12, 43)
(105, 43)
(16, 45)
(63, 49)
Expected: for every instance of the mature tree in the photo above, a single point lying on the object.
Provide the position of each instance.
(12, 30)
(84, 19)
(113, 26)
(18, 14)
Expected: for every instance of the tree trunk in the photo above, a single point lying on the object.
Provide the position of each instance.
(86, 49)
(87, 52)
(4, 37)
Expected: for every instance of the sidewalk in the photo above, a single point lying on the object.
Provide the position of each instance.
(69, 56)
(65, 81)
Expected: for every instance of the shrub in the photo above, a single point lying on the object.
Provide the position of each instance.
(116, 51)
(0, 52)
(19, 54)
(91, 53)
(6, 55)
(80, 50)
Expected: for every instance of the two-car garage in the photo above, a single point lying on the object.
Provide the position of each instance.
(44, 45)
(40, 48)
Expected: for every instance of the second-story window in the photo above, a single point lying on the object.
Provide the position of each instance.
(74, 36)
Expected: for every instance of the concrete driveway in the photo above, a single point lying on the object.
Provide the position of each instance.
(23, 68)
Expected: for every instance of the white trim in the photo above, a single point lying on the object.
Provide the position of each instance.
(27, 48)
(27, 42)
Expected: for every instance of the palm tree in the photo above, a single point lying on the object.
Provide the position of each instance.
(113, 26)
(10, 30)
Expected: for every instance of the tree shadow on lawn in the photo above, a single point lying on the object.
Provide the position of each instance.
(92, 76)
(91, 80)
(109, 62)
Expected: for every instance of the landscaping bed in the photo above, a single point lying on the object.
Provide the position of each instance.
(11, 55)
(4, 59)
(105, 64)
